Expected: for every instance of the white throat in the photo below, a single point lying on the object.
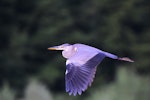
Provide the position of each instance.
(69, 51)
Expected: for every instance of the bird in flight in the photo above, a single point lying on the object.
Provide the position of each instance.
(81, 65)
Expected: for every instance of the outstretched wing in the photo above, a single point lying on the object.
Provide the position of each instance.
(78, 78)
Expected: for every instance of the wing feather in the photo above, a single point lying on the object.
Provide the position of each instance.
(78, 78)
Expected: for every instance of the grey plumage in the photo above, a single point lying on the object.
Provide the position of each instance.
(81, 64)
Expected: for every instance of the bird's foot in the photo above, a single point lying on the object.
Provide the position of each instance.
(125, 59)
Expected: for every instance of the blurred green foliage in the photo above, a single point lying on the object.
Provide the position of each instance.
(128, 86)
(29, 27)
(36, 91)
(6, 93)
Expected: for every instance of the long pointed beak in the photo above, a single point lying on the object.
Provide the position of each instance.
(53, 48)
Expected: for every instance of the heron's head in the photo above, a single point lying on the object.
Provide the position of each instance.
(68, 50)
(61, 47)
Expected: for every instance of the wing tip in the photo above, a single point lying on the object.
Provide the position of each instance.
(74, 93)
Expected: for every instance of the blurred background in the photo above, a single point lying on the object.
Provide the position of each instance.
(28, 71)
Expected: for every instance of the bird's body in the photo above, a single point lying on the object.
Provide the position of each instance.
(81, 52)
(81, 64)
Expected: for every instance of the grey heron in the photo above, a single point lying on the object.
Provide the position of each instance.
(81, 65)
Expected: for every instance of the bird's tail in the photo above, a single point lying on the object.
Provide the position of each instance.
(125, 59)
